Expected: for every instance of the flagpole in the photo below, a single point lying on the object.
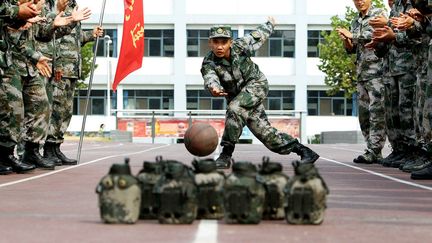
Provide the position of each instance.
(90, 85)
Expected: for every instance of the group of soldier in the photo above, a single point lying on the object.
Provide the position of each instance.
(393, 60)
(40, 64)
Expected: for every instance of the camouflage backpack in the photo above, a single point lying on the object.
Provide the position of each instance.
(148, 177)
(306, 195)
(243, 195)
(274, 181)
(119, 195)
(210, 184)
(176, 193)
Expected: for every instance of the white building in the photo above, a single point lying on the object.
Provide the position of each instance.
(176, 34)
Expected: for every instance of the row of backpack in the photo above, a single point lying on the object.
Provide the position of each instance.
(174, 193)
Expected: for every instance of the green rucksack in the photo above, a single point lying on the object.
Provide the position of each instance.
(148, 177)
(176, 192)
(274, 181)
(243, 195)
(210, 184)
(306, 195)
(119, 195)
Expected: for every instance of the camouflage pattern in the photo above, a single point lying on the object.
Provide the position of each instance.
(427, 108)
(176, 191)
(306, 195)
(69, 64)
(210, 189)
(247, 87)
(12, 110)
(119, 196)
(62, 109)
(148, 177)
(370, 85)
(369, 66)
(399, 65)
(244, 195)
(371, 113)
(274, 181)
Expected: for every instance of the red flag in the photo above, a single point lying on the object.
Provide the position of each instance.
(132, 47)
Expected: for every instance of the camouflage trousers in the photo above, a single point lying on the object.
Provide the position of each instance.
(371, 113)
(246, 109)
(37, 110)
(63, 95)
(11, 110)
(399, 106)
(419, 104)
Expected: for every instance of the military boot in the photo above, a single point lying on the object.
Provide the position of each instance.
(224, 160)
(394, 155)
(50, 154)
(306, 154)
(5, 170)
(423, 174)
(8, 158)
(32, 156)
(65, 160)
(369, 157)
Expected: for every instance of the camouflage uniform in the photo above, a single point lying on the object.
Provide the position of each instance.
(69, 64)
(399, 89)
(247, 87)
(369, 86)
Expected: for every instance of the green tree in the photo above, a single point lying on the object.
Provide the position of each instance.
(336, 63)
(86, 59)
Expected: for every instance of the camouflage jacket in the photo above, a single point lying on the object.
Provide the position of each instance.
(398, 57)
(233, 76)
(420, 36)
(369, 66)
(69, 51)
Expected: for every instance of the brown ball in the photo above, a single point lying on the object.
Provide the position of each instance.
(201, 139)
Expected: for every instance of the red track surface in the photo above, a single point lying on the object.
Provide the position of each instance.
(367, 203)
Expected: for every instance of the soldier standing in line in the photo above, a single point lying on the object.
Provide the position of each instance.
(369, 80)
(415, 24)
(228, 71)
(11, 111)
(68, 71)
(399, 86)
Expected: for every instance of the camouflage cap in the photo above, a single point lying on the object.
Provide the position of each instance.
(221, 31)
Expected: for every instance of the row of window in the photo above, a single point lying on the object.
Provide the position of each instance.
(160, 43)
(319, 103)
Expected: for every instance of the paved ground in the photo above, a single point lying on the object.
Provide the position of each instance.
(367, 203)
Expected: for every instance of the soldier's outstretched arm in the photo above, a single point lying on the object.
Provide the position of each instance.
(211, 80)
(254, 40)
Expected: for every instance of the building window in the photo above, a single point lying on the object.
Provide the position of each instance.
(159, 43)
(203, 100)
(97, 102)
(280, 44)
(321, 104)
(148, 99)
(197, 42)
(280, 100)
(314, 38)
(102, 45)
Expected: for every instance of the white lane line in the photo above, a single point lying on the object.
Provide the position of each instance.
(207, 232)
(76, 166)
(380, 175)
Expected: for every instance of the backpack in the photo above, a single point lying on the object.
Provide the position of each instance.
(306, 195)
(210, 184)
(176, 194)
(274, 180)
(148, 177)
(119, 195)
(244, 195)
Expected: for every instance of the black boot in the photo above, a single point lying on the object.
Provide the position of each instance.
(65, 160)
(224, 160)
(32, 156)
(423, 174)
(50, 154)
(8, 158)
(5, 170)
(306, 154)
